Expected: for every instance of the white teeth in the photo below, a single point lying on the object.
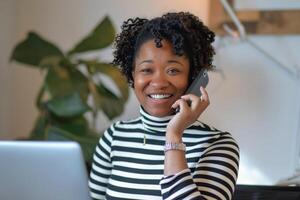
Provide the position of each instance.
(159, 96)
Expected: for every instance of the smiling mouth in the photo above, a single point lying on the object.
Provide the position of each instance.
(160, 96)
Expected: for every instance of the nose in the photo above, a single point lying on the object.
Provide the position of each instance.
(159, 80)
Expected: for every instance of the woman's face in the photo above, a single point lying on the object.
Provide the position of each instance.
(160, 77)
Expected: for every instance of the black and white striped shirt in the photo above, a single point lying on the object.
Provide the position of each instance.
(126, 168)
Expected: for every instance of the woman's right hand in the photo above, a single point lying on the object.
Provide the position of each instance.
(187, 114)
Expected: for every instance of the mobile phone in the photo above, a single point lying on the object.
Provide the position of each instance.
(201, 80)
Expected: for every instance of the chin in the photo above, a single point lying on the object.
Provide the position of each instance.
(160, 113)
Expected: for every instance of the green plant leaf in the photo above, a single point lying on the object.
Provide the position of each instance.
(76, 125)
(50, 61)
(70, 105)
(104, 99)
(112, 72)
(87, 142)
(33, 49)
(39, 98)
(39, 130)
(60, 81)
(107, 101)
(110, 104)
(101, 37)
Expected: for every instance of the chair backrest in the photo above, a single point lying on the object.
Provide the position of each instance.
(258, 192)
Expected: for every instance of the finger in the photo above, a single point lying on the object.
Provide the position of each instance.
(190, 97)
(183, 104)
(180, 105)
(204, 94)
(195, 100)
(192, 100)
(198, 103)
(175, 104)
(201, 98)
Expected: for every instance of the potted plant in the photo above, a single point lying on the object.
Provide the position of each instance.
(72, 87)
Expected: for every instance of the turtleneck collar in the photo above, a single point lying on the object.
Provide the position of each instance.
(153, 123)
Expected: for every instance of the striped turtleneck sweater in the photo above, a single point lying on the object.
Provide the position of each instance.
(129, 162)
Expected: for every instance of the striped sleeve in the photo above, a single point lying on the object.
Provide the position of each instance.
(213, 178)
(101, 166)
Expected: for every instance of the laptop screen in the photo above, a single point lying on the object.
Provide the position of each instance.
(42, 170)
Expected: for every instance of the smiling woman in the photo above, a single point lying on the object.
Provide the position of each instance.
(160, 77)
(163, 154)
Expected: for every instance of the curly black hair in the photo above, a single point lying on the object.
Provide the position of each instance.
(186, 32)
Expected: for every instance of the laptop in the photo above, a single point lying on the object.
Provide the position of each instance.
(40, 170)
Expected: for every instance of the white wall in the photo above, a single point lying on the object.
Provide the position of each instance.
(7, 22)
(256, 101)
(266, 4)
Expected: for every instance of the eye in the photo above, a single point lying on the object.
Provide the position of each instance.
(173, 71)
(145, 70)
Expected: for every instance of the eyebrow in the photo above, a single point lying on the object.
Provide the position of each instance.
(174, 61)
(145, 61)
(151, 61)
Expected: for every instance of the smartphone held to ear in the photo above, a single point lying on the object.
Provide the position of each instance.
(201, 80)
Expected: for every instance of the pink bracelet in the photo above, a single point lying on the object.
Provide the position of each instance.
(174, 146)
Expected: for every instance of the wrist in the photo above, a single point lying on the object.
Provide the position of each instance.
(173, 138)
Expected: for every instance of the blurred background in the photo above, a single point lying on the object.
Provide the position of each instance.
(254, 92)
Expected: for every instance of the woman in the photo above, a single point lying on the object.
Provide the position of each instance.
(164, 154)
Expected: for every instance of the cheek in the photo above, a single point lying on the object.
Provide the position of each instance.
(139, 85)
(183, 88)
(183, 84)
